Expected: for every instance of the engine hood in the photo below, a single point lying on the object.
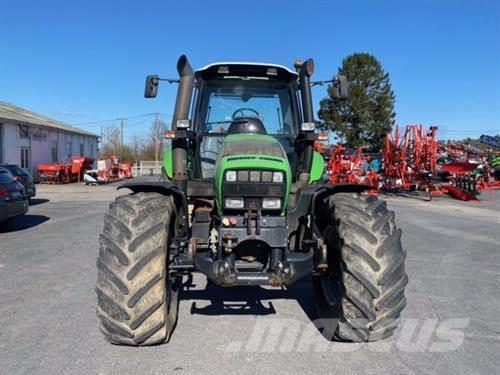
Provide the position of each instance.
(251, 151)
(257, 144)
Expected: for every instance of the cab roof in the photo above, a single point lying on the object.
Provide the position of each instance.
(245, 69)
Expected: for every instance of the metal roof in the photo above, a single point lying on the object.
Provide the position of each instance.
(245, 63)
(11, 113)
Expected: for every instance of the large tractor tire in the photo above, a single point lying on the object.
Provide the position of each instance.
(361, 295)
(137, 300)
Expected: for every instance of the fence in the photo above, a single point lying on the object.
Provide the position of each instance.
(147, 168)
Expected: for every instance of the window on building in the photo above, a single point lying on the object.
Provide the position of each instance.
(68, 150)
(24, 131)
(38, 135)
(82, 151)
(25, 158)
(53, 151)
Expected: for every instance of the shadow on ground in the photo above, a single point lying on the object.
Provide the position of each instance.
(247, 300)
(22, 222)
(37, 201)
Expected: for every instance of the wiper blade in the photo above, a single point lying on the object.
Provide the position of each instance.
(218, 122)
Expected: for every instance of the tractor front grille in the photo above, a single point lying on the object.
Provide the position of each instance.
(254, 189)
(254, 192)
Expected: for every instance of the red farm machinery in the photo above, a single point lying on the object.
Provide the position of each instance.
(70, 170)
(410, 159)
(415, 160)
(466, 170)
(108, 170)
(353, 167)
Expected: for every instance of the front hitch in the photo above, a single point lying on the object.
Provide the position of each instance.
(220, 272)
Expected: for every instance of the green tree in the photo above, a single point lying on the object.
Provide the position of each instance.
(367, 114)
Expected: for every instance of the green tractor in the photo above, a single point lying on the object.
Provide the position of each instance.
(243, 200)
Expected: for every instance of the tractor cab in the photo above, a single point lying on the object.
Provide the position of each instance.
(244, 98)
(246, 122)
(254, 111)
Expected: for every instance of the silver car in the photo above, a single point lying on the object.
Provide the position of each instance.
(13, 200)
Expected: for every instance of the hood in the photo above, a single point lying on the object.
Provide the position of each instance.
(251, 152)
(254, 144)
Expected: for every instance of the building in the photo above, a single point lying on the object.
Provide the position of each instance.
(29, 139)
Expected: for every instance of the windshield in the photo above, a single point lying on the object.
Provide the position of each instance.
(228, 99)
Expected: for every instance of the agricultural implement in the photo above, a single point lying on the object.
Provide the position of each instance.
(108, 170)
(465, 180)
(466, 170)
(410, 159)
(414, 160)
(71, 170)
(352, 168)
(242, 200)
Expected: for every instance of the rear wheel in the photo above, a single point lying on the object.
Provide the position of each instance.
(361, 295)
(137, 300)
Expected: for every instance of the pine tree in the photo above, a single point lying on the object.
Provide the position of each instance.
(368, 113)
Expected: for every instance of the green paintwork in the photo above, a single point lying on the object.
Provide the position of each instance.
(317, 168)
(167, 162)
(252, 161)
(250, 137)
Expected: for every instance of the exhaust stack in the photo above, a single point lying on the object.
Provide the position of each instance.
(181, 112)
(306, 70)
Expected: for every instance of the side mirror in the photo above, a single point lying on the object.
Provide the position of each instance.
(341, 87)
(151, 89)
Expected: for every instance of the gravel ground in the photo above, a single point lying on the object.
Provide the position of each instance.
(47, 302)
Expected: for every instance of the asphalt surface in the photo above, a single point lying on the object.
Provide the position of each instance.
(47, 302)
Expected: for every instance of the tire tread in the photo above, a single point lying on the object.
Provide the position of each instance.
(133, 282)
(370, 296)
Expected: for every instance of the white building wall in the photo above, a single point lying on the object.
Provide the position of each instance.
(11, 152)
(40, 148)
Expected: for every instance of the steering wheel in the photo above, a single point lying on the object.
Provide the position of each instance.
(242, 110)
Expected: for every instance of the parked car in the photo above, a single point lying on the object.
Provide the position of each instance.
(23, 177)
(13, 200)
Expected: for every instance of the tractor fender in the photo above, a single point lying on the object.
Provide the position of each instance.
(323, 190)
(155, 185)
(306, 204)
(311, 193)
(149, 185)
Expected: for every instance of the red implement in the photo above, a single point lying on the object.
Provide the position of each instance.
(459, 167)
(351, 168)
(71, 170)
(460, 194)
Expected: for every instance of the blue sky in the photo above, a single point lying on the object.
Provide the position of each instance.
(82, 61)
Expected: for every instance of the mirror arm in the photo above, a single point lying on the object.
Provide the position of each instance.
(169, 80)
(321, 83)
(335, 80)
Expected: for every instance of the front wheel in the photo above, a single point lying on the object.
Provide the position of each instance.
(137, 300)
(361, 295)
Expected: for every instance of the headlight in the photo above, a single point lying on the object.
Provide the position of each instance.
(234, 203)
(243, 176)
(254, 176)
(308, 126)
(182, 124)
(267, 176)
(231, 176)
(271, 203)
(277, 176)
